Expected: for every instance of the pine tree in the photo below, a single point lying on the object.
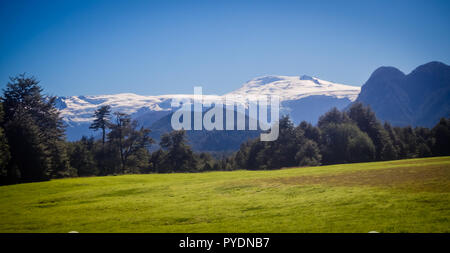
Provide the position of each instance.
(101, 120)
(35, 132)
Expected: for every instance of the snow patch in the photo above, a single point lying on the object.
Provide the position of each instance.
(79, 109)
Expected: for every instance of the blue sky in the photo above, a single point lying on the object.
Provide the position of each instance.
(159, 47)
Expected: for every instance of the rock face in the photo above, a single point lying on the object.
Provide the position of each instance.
(420, 98)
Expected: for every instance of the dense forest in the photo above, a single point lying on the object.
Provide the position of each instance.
(33, 146)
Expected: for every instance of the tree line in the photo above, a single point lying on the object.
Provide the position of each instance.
(348, 136)
(33, 146)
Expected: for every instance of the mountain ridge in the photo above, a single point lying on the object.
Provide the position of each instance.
(419, 98)
(77, 111)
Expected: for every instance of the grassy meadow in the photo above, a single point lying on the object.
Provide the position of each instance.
(396, 196)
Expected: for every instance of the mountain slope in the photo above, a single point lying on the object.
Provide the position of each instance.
(295, 87)
(204, 140)
(420, 98)
(302, 97)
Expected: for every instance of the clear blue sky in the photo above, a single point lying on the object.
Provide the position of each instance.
(159, 47)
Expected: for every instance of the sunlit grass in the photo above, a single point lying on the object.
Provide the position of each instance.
(396, 196)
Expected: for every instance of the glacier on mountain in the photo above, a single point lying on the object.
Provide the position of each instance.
(302, 97)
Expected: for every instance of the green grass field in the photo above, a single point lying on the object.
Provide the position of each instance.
(396, 196)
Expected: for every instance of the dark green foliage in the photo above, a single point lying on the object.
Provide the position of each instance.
(29, 156)
(226, 163)
(309, 131)
(441, 137)
(241, 157)
(344, 142)
(59, 160)
(361, 148)
(392, 151)
(423, 150)
(129, 144)
(35, 133)
(156, 162)
(179, 156)
(309, 154)
(4, 147)
(279, 153)
(126, 151)
(101, 120)
(33, 147)
(205, 161)
(367, 122)
(82, 157)
(292, 148)
(407, 143)
(343, 137)
(333, 116)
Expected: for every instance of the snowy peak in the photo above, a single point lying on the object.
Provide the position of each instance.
(295, 87)
(79, 109)
(305, 77)
(260, 81)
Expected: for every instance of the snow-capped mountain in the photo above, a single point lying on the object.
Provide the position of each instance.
(302, 97)
(294, 88)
